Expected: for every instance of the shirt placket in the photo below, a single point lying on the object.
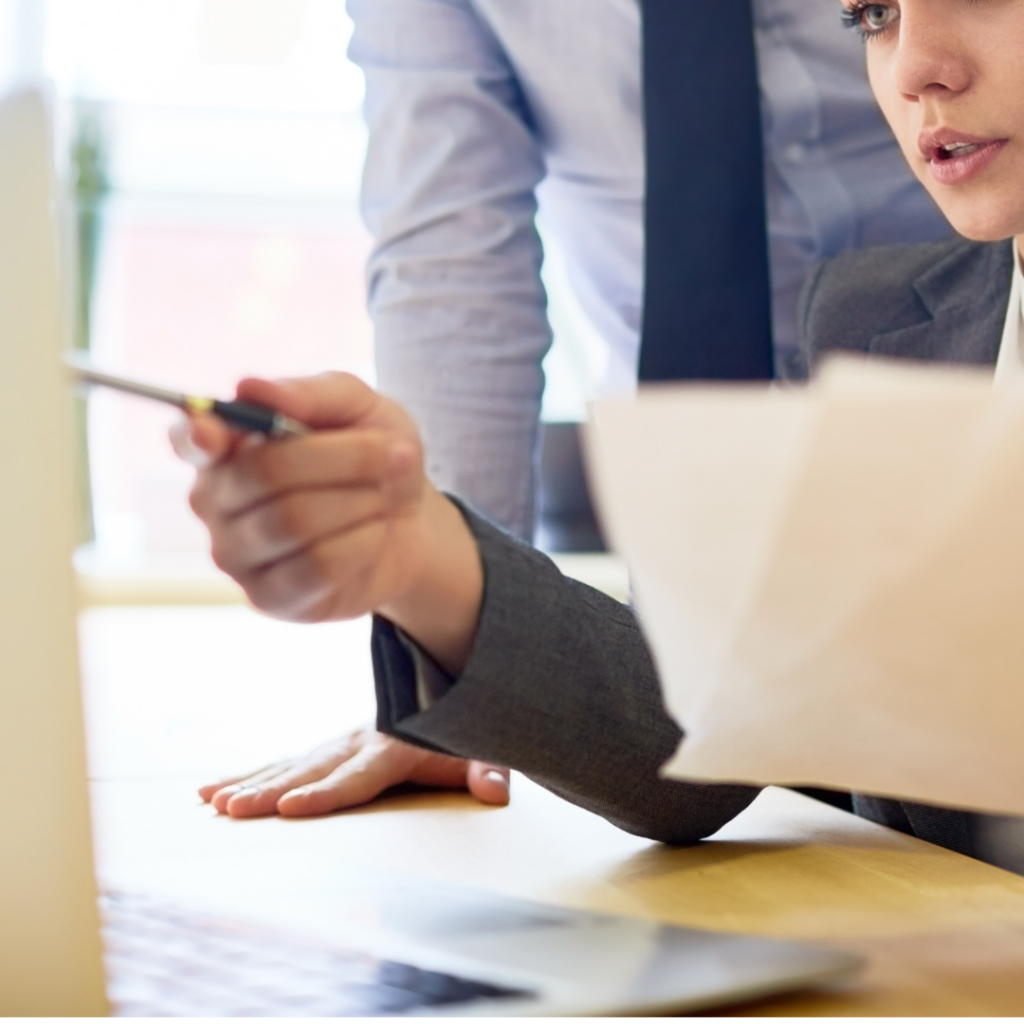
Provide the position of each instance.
(795, 145)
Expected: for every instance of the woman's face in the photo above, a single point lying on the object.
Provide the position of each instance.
(949, 77)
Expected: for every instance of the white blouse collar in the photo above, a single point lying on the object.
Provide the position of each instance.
(1010, 362)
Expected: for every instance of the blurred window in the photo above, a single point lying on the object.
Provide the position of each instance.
(218, 146)
(226, 144)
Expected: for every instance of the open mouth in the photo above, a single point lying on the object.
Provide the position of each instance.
(955, 149)
(962, 160)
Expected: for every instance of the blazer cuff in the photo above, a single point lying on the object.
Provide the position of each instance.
(407, 680)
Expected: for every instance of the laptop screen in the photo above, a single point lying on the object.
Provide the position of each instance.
(49, 928)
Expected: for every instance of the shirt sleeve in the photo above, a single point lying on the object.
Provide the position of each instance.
(430, 681)
(454, 277)
(561, 686)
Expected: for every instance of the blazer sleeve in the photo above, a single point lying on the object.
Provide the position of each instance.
(561, 686)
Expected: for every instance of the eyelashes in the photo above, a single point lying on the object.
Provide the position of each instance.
(869, 18)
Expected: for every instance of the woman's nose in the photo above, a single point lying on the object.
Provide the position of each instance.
(929, 57)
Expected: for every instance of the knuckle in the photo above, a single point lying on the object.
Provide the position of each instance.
(263, 469)
(217, 553)
(361, 456)
(220, 555)
(372, 456)
(381, 745)
(289, 517)
(234, 559)
(279, 590)
(263, 598)
(312, 615)
(199, 498)
(320, 561)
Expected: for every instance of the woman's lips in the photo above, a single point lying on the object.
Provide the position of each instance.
(966, 161)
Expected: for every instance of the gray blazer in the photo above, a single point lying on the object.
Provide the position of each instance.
(941, 301)
(561, 685)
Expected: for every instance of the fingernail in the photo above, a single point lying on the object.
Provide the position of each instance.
(247, 792)
(496, 776)
(180, 433)
(301, 791)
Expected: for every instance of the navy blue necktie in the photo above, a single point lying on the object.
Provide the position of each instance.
(707, 294)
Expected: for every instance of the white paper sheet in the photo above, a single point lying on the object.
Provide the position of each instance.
(831, 577)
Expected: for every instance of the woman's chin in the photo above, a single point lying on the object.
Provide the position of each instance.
(981, 235)
(985, 225)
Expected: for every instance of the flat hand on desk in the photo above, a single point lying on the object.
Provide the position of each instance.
(347, 772)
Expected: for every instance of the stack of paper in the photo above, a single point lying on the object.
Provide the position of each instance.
(831, 577)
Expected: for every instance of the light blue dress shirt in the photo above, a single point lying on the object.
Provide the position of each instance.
(480, 109)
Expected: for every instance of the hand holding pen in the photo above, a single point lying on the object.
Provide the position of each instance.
(338, 522)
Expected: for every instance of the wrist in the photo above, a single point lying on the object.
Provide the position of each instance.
(441, 608)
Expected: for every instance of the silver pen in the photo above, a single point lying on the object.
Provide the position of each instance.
(248, 416)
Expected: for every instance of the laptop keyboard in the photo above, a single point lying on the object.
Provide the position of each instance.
(163, 961)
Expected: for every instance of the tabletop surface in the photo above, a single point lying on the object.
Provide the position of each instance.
(942, 934)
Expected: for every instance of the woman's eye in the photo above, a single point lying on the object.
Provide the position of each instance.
(870, 19)
(876, 17)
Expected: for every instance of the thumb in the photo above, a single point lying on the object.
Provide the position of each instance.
(329, 400)
(489, 784)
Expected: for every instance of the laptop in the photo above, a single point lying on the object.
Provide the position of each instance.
(68, 949)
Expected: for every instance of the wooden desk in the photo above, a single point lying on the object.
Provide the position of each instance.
(943, 934)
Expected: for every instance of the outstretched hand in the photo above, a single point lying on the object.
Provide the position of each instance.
(325, 527)
(347, 772)
(340, 522)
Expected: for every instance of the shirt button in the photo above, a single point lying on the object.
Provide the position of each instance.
(795, 153)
